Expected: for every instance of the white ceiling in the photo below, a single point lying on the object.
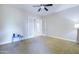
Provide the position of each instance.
(52, 9)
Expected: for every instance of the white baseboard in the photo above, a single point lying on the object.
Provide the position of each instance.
(39, 35)
(5, 42)
(18, 40)
(59, 38)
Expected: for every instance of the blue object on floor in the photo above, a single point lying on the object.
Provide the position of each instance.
(16, 36)
(13, 36)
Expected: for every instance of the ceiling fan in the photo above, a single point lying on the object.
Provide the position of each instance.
(43, 6)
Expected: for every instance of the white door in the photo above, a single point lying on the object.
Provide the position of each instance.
(30, 27)
(34, 27)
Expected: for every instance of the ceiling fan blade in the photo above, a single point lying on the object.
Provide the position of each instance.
(48, 4)
(46, 9)
(39, 9)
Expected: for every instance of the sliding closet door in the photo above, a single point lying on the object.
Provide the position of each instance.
(38, 27)
(30, 27)
(34, 27)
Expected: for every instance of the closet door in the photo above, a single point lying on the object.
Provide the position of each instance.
(38, 27)
(31, 27)
(34, 27)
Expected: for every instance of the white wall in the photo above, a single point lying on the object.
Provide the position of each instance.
(14, 20)
(61, 25)
(12, 23)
